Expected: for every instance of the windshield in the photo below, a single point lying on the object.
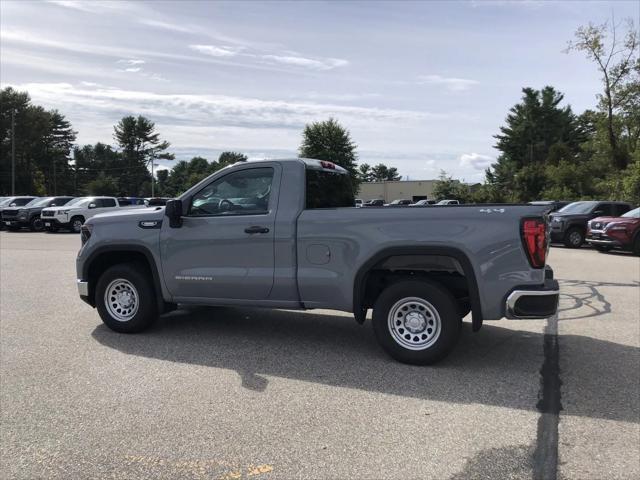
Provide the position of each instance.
(578, 207)
(6, 201)
(635, 213)
(39, 202)
(75, 201)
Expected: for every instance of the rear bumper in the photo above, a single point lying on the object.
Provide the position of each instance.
(529, 302)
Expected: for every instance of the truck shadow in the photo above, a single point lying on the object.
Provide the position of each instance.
(497, 366)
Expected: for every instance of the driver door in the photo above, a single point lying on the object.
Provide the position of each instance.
(225, 247)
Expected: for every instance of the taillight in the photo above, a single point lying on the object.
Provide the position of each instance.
(534, 237)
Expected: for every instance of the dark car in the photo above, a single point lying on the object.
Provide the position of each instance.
(29, 215)
(400, 202)
(131, 201)
(554, 205)
(378, 202)
(157, 201)
(606, 233)
(9, 203)
(569, 224)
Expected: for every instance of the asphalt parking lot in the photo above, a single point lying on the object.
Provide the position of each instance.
(243, 393)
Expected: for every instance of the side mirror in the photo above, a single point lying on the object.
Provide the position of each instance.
(92, 205)
(598, 213)
(173, 210)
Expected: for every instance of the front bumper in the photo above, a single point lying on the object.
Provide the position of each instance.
(598, 237)
(50, 222)
(531, 302)
(83, 290)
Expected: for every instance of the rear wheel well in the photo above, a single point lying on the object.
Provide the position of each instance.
(453, 274)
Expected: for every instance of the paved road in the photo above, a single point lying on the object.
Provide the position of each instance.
(243, 393)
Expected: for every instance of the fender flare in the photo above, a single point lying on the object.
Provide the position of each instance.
(126, 248)
(360, 280)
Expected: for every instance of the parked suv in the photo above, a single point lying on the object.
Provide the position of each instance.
(76, 212)
(29, 215)
(606, 233)
(569, 224)
(9, 203)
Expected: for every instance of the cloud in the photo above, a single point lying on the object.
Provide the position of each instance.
(452, 84)
(94, 6)
(131, 69)
(215, 51)
(315, 64)
(131, 61)
(476, 161)
(172, 27)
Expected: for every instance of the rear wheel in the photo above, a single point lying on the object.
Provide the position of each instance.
(125, 298)
(574, 238)
(416, 322)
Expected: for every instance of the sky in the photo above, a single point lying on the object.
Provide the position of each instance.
(422, 86)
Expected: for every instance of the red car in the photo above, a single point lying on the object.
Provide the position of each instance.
(605, 233)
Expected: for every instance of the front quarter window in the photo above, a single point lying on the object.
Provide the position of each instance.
(245, 192)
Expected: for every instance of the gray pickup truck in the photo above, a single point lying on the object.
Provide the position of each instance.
(285, 234)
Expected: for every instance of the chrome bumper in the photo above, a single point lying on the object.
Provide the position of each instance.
(83, 288)
(532, 304)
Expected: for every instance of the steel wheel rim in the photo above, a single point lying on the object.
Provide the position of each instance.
(575, 238)
(414, 323)
(121, 300)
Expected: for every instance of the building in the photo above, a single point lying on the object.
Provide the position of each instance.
(388, 191)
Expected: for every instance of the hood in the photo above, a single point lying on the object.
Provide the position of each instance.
(128, 214)
(569, 215)
(62, 207)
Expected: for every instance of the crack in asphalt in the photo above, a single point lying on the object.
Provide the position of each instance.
(545, 457)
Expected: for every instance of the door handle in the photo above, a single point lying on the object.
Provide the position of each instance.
(256, 229)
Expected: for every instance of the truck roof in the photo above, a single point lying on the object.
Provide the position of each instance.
(310, 163)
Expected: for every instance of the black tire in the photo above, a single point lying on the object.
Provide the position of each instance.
(138, 276)
(76, 223)
(435, 296)
(574, 238)
(36, 224)
(603, 248)
(636, 245)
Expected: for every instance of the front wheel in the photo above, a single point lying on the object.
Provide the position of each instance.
(125, 298)
(36, 224)
(574, 238)
(416, 322)
(76, 224)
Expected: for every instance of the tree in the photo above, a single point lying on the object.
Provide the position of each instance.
(365, 175)
(42, 145)
(141, 146)
(448, 188)
(229, 158)
(538, 131)
(383, 173)
(102, 185)
(616, 59)
(330, 141)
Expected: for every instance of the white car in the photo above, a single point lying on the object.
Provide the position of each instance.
(448, 202)
(76, 212)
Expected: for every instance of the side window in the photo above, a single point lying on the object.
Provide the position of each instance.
(621, 209)
(245, 192)
(107, 202)
(328, 190)
(606, 209)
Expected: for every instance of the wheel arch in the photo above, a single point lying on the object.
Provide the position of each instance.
(106, 256)
(362, 276)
